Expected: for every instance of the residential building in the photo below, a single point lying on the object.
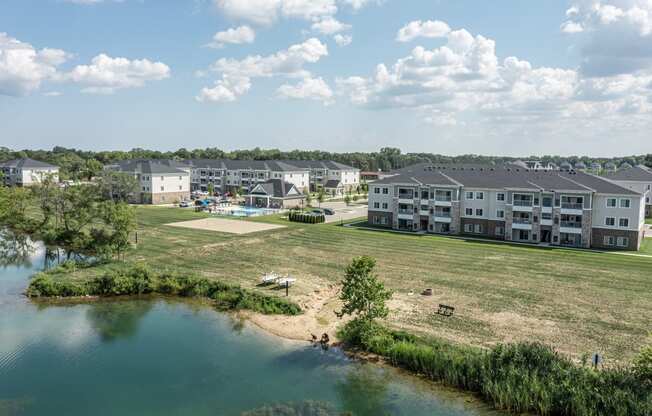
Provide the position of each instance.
(275, 193)
(26, 172)
(159, 181)
(225, 174)
(638, 179)
(564, 208)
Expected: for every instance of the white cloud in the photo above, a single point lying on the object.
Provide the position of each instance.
(105, 74)
(308, 88)
(236, 36)
(343, 40)
(266, 12)
(329, 26)
(23, 68)
(358, 4)
(236, 74)
(427, 29)
(571, 27)
(53, 94)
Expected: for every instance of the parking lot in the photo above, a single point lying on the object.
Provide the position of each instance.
(343, 212)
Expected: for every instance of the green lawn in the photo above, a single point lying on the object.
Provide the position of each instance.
(580, 302)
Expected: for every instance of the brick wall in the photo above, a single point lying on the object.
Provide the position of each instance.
(372, 215)
(598, 234)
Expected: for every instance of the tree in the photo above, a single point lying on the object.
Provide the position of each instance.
(117, 186)
(308, 199)
(211, 189)
(362, 293)
(643, 365)
(648, 160)
(92, 169)
(347, 199)
(320, 196)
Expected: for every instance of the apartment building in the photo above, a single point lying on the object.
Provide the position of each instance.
(27, 172)
(564, 208)
(638, 179)
(159, 181)
(335, 178)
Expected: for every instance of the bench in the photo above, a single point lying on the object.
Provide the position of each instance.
(445, 310)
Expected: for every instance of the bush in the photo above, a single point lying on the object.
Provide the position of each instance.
(43, 285)
(297, 216)
(523, 377)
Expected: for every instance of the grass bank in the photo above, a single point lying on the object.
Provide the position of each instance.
(137, 279)
(521, 377)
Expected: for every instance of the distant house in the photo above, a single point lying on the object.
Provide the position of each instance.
(565, 166)
(159, 181)
(275, 193)
(596, 167)
(580, 166)
(610, 166)
(26, 172)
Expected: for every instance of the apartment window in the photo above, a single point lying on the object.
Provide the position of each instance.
(143, 188)
(622, 242)
(479, 195)
(385, 191)
(500, 196)
(180, 187)
(535, 219)
(609, 240)
(162, 178)
(536, 202)
(610, 221)
(376, 204)
(500, 231)
(500, 213)
(546, 216)
(611, 202)
(469, 195)
(376, 190)
(162, 189)
(478, 228)
(385, 205)
(468, 228)
(547, 201)
(180, 178)
(479, 212)
(649, 187)
(376, 220)
(623, 222)
(625, 203)
(469, 211)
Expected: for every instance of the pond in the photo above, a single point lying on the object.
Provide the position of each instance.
(165, 357)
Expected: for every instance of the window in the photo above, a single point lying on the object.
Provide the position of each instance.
(143, 188)
(611, 202)
(500, 231)
(385, 191)
(385, 205)
(500, 213)
(469, 211)
(376, 204)
(376, 190)
(546, 216)
(180, 187)
(180, 178)
(610, 221)
(622, 242)
(625, 203)
(376, 220)
(479, 212)
(468, 228)
(479, 195)
(162, 189)
(478, 228)
(547, 201)
(609, 240)
(500, 196)
(469, 195)
(623, 222)
(162, 178)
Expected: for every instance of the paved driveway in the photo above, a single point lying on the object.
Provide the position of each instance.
(648, 231)
(342, 212)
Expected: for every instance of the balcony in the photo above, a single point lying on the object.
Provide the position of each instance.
(443, 218)
(570, 224)
(572, 205)
(521, 223)
(522, 205)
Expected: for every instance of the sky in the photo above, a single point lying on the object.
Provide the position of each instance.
(507, 77)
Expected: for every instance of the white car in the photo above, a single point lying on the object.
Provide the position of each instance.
(184, 204)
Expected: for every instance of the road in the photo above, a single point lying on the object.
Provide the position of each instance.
(342, 212)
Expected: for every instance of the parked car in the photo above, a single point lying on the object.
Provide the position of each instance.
(317, 211)
(184, 204)
(328, 211)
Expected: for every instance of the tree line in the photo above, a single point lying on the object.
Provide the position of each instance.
(82, 164)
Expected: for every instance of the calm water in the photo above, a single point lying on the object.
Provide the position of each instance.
(157, 357)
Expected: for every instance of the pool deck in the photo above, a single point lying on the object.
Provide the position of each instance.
(226, 226)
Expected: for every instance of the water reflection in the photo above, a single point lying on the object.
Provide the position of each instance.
(365, 382)
(306, 408)
(15, 250)
(113, 321)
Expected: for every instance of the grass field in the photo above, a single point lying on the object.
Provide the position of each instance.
(578, 301)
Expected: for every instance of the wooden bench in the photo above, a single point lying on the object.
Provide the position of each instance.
(445, 310)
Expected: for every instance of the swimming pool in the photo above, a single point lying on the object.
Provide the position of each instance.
(246, 211)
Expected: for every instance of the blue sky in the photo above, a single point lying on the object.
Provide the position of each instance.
(508, 77)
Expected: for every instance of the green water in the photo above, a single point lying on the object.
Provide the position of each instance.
(161, 357)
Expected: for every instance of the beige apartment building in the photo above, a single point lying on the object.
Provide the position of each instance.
(160, 181)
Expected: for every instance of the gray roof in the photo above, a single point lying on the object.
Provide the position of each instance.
(27, 163)
(271, 165)
(276, 188)
(150, 166)
(637, 174)
(504, 177)
(333, 183)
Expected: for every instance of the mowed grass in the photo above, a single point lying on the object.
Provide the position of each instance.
(578, 301)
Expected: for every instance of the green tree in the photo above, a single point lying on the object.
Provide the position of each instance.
(321, 196)
(308, 199)
(117, 186)
(347, 199)
(643, 365)
(362, 293)
(93, 168)
(211, 189)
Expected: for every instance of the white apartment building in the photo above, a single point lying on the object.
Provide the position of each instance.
(27, 172)
(160, 182)
(510, 203)
(638, 179)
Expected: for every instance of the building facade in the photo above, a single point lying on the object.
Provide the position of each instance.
(225, 175)
(159, 182)
(27, 172)
(638, 179)
(510, 203)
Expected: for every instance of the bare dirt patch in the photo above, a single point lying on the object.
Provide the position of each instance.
(226, 226)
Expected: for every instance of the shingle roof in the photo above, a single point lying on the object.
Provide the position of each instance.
(26, 163)
(333, 183)
(637, 174)
(272, 165)
(276, 188)
(150, 166)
